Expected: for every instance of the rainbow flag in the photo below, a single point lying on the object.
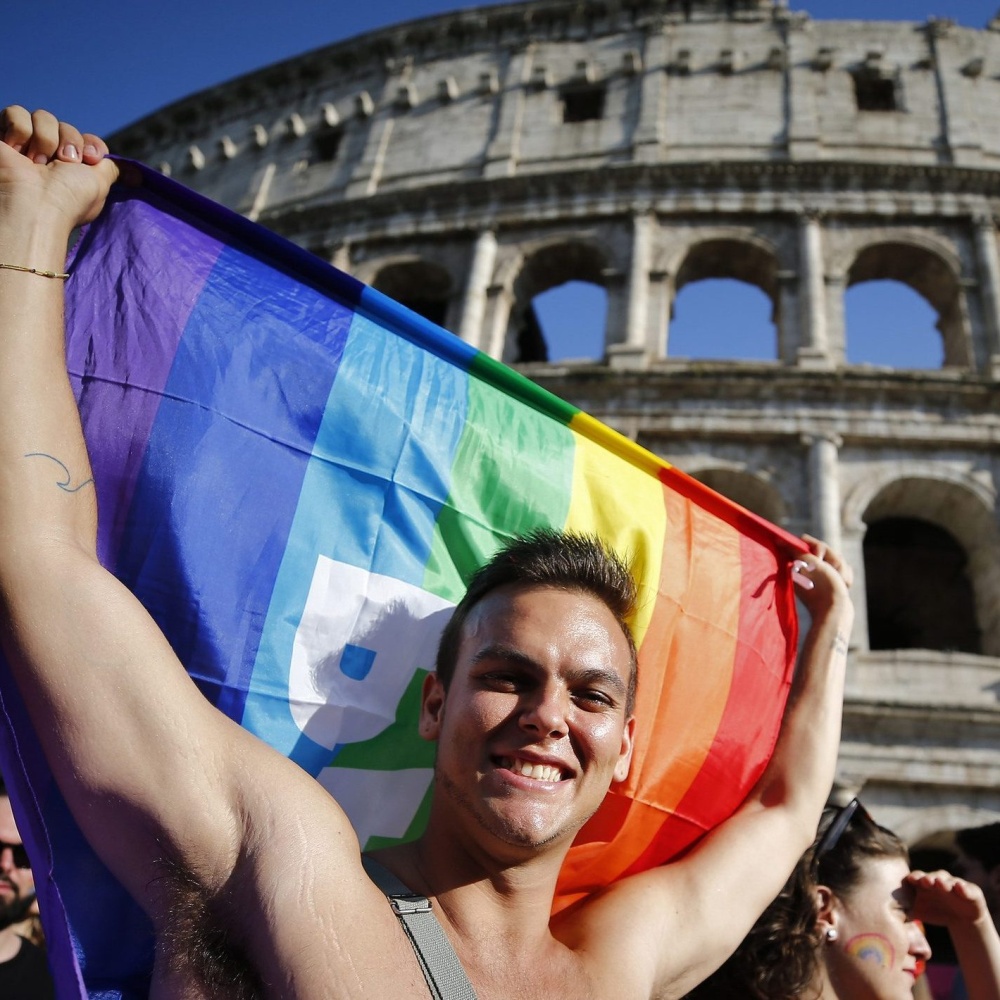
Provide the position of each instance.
(296, 476)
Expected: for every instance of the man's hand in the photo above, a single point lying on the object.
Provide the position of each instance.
(50, 170)
(822, 579)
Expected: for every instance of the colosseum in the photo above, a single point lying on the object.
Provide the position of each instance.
(467, 163)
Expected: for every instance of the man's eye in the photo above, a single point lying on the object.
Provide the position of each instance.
(595, 698)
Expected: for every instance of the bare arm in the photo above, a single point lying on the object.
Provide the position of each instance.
(941, 898)
(147, 766)
(683, 920)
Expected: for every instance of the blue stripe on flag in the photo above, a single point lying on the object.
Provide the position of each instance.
(379, 475)
(233, 436)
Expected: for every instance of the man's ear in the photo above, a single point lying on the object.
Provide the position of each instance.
(431, 707)
(625, 756)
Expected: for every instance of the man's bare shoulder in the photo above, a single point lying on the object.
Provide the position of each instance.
(293, 916)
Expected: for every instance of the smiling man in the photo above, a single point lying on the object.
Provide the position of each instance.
(250, 872)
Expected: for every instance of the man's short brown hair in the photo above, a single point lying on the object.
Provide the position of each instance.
(549, 558)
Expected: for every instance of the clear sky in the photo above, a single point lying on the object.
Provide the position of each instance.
(104, 64)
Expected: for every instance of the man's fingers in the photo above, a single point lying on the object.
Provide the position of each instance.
(44, 139)
(15, 126)
(94, 148)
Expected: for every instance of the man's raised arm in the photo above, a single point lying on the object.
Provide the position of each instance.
(686, 918)
(150, 770)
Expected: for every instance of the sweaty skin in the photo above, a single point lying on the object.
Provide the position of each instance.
(215, 830)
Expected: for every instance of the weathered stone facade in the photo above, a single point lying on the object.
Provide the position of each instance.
(467, 162)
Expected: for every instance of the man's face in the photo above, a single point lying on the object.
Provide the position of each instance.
(973, 870)
(16, 884)
(532, 730)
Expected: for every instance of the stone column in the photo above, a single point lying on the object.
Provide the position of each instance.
(484, 256)
(648, 140)
(814, 350)
(630, 345)
(824, 486)
(503, 152)
(341, 257)
(989, 286)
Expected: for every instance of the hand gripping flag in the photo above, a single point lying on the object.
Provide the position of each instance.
(297, 476)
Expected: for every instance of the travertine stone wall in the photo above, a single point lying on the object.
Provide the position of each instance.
(441, 160)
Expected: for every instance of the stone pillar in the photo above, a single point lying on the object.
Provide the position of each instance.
(814, 349)
(824, 487)
(648, 140)
(504, 150)
(484, 256)
(341, 257)
(989, 287)
(630, 345)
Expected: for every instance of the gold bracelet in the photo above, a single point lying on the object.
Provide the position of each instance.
(35, 270)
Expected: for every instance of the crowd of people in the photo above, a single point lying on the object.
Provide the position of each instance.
(531, 710)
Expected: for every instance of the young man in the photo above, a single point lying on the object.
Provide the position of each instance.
(249, 871)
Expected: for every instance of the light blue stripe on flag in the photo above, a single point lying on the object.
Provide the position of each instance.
(379, 473)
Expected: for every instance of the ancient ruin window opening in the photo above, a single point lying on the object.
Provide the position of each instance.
(875, 93)
(890, 324)
(930, 275)
(326, 144)
(424, 287)
(571, 319)
(748, 490)
(918, 591)
(583, 104)
(560, 306)
(726, 303)
(723, 319)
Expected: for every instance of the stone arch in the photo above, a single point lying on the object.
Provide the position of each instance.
(955, 503)
(745, 488)
(548, 266)
(737, 255)
(932, 269)
(423, 286)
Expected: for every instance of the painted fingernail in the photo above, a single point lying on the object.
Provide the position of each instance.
(70, 152)
(90, 150)
(800, 567)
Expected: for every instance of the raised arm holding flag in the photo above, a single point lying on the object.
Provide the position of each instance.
(249, 870)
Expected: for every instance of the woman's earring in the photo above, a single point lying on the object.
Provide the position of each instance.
(831, 934)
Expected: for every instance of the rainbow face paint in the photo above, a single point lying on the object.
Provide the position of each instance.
(874, 948)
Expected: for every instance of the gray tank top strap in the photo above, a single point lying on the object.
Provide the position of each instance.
(440, 965)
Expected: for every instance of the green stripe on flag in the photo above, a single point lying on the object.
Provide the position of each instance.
(513, 471)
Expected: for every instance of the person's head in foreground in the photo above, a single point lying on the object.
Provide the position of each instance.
(841, 929)
(17, 887)
(535, 685)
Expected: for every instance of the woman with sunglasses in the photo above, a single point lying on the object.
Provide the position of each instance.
(847, 925)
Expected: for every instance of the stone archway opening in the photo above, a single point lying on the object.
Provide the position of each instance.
(560, 306)
(746, 489)
(928, 275)
(419, 285)
(726, 303)
(918, 589)
(888, 323)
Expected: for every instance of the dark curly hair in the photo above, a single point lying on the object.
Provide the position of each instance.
(779, 959)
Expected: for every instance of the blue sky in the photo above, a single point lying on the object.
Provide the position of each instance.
(103, 64)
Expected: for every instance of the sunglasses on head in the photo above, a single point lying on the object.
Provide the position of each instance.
(838, 825)
(18, 852)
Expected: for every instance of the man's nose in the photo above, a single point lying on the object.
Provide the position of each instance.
(545, 711)
(7, 859)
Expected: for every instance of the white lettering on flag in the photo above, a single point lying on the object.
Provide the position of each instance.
(360, 640)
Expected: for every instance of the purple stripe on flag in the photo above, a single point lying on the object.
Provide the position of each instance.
(101, 358)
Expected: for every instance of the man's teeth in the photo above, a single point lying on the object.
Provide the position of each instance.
(541, 772)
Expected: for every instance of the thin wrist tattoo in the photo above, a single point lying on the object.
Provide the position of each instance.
(840, 643)
(65, 485)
